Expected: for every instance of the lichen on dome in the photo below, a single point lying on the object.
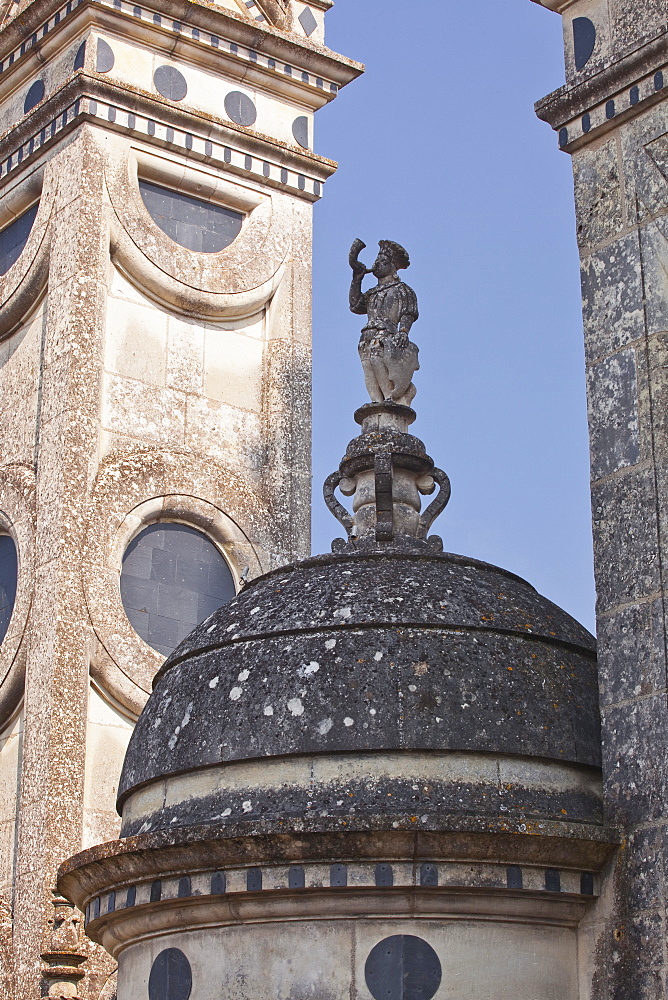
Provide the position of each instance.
(365, 654)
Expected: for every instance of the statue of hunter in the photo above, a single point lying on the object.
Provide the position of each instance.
(389, 358)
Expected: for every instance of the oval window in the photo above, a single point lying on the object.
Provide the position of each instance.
(192, 223)
(8, 580)
(173, 577)
(14, 237)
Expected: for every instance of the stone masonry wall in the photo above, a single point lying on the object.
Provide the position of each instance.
(612, 116)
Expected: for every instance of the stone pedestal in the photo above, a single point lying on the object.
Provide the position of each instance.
(386, 470)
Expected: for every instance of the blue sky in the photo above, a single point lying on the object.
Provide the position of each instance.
(439, 149)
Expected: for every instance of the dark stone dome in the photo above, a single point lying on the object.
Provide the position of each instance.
(366, 655)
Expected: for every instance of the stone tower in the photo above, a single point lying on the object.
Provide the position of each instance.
(612, 117)
(157, 180)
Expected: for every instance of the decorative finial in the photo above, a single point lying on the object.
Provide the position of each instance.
(389, 359)
(65, 953)
(386, 469)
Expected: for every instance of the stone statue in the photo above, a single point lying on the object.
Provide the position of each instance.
(389, 358)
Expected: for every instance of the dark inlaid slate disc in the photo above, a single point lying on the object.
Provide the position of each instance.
(402, 967)
(240, 109)
(170, 82)
(34, 96)
(104, 61)
(171, 976)
(300, 130)
(584, 40)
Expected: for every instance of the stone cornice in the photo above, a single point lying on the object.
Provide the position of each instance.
(558, 6)
(26, 34)
(157, 122)
(581, 111)
(575, 98)
(163, 853)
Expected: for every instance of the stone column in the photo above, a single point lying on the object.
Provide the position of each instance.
(56, 692)
(612, 117)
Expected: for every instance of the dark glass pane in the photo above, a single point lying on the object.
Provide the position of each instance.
(194, 224)
(172, 578)
(14, 237)
(8, 579)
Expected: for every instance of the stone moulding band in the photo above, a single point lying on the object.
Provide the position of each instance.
(147, 276)
(41, 138)
(149, 922)
(296, 875)
(629, 101)
(152, 130)
(178, 28)
(393, 779)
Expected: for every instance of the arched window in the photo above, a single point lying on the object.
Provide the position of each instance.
(8, 580)
(190, 222)
(14, 237)
(172, 578)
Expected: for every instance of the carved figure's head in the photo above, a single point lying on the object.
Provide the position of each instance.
(391, 258)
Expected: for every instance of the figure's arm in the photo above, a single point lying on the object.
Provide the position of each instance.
(357, 297)
(409, 310)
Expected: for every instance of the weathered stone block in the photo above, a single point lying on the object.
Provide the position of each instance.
(613, 414)
(635, 743)
(626, 544)
(632, 656)
(654, 251)
(645, 867)
(612, 297)
(598, 194)
(635, 20)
